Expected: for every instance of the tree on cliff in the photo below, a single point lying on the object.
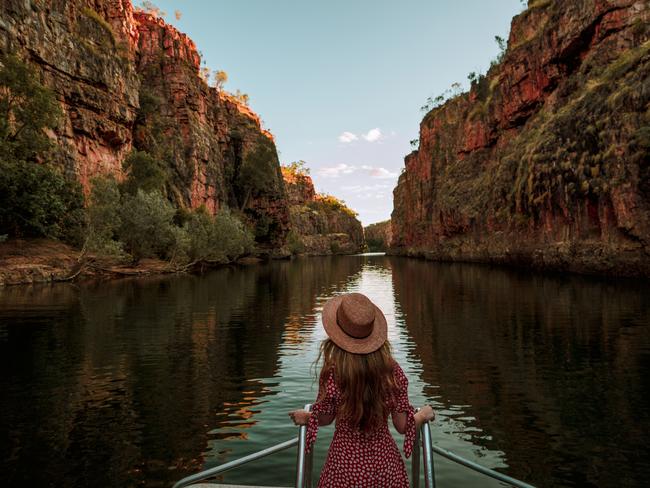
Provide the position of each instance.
(144, 173)
(35, 199)
(27, 108)
(298, 168)
(258, 172)
(220, 78)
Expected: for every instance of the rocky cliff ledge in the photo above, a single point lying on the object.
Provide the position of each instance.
(545, 161)
(378, 236)
(320, 224)
(127, 80)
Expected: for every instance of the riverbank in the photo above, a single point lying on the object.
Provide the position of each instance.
(48, 261)
(29, 261)
(582, 259)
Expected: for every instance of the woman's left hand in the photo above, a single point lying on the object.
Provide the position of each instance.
(300, 417)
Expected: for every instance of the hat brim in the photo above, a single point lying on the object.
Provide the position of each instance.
(351, 344)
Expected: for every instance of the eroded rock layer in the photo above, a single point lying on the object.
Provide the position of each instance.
(545, 161)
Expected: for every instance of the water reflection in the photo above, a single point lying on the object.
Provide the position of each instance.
(145, 381)
(551, 371)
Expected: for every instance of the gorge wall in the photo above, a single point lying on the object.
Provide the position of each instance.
(545, 162)
(378, 236)
(127, 80)
(320, 224)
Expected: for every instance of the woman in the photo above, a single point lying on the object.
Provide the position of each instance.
(360, 386)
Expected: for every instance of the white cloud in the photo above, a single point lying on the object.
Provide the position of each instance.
(347, 137)
(372, 135)
(378, 172)
(336, 171)
(366, 188)
(382, 173)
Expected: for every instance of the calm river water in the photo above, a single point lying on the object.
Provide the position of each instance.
(143, 382)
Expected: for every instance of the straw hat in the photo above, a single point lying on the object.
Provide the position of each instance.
(354, 323)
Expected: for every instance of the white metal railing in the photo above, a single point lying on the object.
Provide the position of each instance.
(428, 448)
(304, 462)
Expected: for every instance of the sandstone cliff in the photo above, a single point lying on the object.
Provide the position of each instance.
(127, 80)
(545, 161)
(320, 224)
(378, 236)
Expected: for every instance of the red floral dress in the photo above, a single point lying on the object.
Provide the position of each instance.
(358, 459)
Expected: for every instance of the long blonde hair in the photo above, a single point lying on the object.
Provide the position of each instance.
(366, 382)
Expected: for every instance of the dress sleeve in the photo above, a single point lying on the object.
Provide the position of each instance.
(325, 405)
(402, 405)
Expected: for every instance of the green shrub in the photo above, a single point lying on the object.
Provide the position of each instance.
(297, 168)
(26, 109)
(146, 227)
(37, 201)
(294, 243)
(219, 238)
(234, 237)
(258, 173)
(144, 172)
(104, 217)
(330, 202)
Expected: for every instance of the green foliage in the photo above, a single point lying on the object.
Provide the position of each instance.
(242, 98)
(294, 243)
(330, 202)
(217, 239)
(503, 46)
(297, 168)
(625, 62)
(149, 104)
(258, 173)
(104, 217)
(376, 234)
(37, 201)
(27, 108)
(220, 78)
(144, 173)
(99, 20)
(146, 227)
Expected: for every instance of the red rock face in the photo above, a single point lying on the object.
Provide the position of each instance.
(87, 65)
(544, 161)
(322, 227)
(101, 57)
(300, 187)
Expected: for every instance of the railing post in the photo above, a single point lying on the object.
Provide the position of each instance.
(427, 452)
(301, 478)
(415, 461)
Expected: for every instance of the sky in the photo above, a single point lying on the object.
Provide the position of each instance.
(340, 83)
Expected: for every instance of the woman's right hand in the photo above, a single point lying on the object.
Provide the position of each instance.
(425, 414)
(300, 417)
